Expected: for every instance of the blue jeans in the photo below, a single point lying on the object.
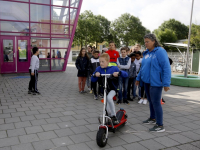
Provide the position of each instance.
(154, 95)
(135, 88)
(123, 84)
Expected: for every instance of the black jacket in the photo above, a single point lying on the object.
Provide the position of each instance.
(82, 64)
(94, 63)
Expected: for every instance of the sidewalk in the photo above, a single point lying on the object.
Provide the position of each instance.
(63, 119)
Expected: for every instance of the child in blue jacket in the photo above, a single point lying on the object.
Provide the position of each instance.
(112, 83)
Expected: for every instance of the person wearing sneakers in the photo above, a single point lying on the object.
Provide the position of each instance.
(155, 72)
(88, 81)
(143, 99)
(124, 63)
(33, 70)
(94, 63)
(112, 82)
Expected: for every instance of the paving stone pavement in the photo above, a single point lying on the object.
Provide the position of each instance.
(62, 119)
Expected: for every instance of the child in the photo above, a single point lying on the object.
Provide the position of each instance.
(94, 63)
(112, 84)
(113, 54)
(124, 63)
(82, 63)
(33, 70)
(89, 53)
(138, 62)
(132, 78)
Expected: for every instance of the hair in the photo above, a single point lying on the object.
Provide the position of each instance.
(152, 37)
(112, 42)
(35, 49)
(138, 52)
(138, 45)
(123, 48)
(105, 56)
(90, 46)
(80, 53)
(96, 51)
(132, 54)
(128, 49)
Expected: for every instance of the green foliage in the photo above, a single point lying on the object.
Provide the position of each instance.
(128, 29)
(177, 27)
(166, 36)
(195, 35)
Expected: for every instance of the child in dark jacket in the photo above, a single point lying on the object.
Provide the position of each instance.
(94, 63)
(82, 64)
(112, 83)
(132, 78)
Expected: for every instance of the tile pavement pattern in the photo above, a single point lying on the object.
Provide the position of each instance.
(62, 119)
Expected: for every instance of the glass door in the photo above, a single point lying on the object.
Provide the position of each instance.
(7, 58)
(23, 54)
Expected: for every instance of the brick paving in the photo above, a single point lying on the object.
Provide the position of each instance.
(62, 119)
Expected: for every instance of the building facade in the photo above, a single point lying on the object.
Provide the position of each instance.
(48, 24)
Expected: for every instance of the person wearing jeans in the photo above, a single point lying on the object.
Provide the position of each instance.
(155, 72)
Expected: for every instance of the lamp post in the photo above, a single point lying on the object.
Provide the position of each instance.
(186, 68)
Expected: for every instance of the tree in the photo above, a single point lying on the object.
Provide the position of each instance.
(177, 27)
(85, 29)
(166, 36)
(128, 29)
(195, 35)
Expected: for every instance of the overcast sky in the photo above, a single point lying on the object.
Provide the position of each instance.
(152, 13)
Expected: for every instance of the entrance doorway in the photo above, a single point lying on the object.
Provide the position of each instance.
(14, 54)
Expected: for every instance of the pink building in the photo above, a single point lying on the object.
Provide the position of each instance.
(48, 24)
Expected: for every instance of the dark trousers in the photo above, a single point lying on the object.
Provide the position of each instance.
(94, 87)
(131, 87)
(143, 94)
(153, 96)
(33, 81)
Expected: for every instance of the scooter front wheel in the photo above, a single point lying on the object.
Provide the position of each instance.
(101, 137)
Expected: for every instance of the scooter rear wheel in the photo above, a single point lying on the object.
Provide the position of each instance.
(101, 137)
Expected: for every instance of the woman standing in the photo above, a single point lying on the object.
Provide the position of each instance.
(155, 72)
(82, 63)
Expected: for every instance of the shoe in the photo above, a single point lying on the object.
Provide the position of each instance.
(114, 120)
(34, 93)
(29, 92)
(83, 92)
(114, 98)
(149, 121)
(130, 99)
(80, 92)
(126, 101)
(95, 97)
(118, 102)
(100, 95)
(145, 101)
(157, 128)
(90, 91)
(140, 101)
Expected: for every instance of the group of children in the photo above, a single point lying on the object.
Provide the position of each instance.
(88, 62)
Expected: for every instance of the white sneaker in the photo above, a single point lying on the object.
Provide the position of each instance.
(89, 89)
(145, 101)
(141, 100)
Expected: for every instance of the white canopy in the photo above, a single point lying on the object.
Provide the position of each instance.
(176, 44)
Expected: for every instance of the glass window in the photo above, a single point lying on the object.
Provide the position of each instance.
(14, 26)
(22, 50)
(41, 1)
(59, 29)
(74, 3)
(14, 11)
(62, 43)
(72, 15)
(60, 2)
(41, 35)
(57, 64)
(40, 13)
(22, 0)
(60, 15)
(71, 28)
(58, 53)
(40, 42)
(44, 65)
(40, 28)
(44, 53)
(8, 50)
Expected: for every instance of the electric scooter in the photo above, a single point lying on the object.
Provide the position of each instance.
(107, 124)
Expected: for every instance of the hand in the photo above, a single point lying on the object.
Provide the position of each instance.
(97, 74)
(137, 83)
(166, 89)
(32, 74)
(116, 74)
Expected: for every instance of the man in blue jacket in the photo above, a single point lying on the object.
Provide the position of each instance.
(111, 82)
(155, 72)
